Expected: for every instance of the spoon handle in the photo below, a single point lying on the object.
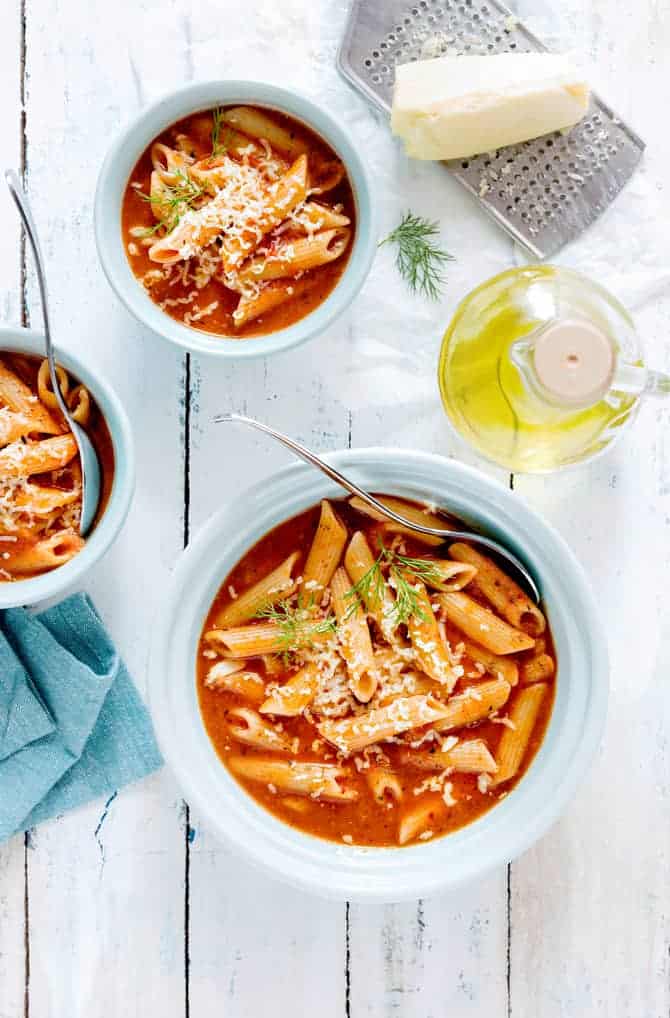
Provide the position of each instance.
(18, 194)
(335, 475)
(447, 534)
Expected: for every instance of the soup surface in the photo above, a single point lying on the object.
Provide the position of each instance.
(238, 221)
(366, 691)
(40, 472)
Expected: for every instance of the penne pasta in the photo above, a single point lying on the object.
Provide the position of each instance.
(471, 756)
(508, 599)
(496, 665)
(446, 575)
(411, 512)
(354, 733)
(429, 647)
(257, 125)
(313, 217)
(420, 819)
(16, 395)
(271, 297)
(514, 741)
(21, 459)
(412, 682)
(235, 678)
(293, 257)
(474, 704)
(375, 593)
(538, 668)
(325, 551)
(39, 501)
(325, 175)
(45, 392)
(250, 728)
(296, 693)
(354, 637)
(274, 587)
(79, 403)
(246, 641)
(318, 781)
(14, 426)
(37, 555)
(384, 785)
(282, 197)
(482, 626)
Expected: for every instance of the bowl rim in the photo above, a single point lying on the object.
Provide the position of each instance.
(47, 585)
(156, 117)
(426, 875)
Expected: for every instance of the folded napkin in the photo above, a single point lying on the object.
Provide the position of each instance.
(72, 724)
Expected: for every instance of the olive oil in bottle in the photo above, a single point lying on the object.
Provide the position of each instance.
(540, 368)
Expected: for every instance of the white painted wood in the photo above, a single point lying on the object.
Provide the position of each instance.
(110, 893)
(106, 883)
(588, 903)
(12, 961)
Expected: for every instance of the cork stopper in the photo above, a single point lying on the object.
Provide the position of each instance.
(574, 361)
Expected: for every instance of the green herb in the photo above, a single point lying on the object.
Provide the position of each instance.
(419, 259)
(298, 625)
(369, 591)
(175, 198)
(218, 148)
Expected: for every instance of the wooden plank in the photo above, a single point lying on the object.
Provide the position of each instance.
(431, 959)
(588, 927)
(241, 922)
(13, 904)
(106, 883)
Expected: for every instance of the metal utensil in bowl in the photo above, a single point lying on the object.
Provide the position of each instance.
(90, 465)
(447, 533)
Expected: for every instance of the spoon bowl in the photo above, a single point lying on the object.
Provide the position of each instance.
(90, 465)
(447, 533)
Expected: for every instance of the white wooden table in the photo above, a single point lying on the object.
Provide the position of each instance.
(132, 907)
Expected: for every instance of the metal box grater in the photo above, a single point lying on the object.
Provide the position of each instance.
(543, 192)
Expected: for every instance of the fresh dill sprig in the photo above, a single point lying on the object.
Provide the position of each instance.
(175, 198)
(297, 624)
(217, 122)
(419, 259)
(369, 591)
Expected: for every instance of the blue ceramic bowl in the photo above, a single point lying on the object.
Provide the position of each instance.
(350, 872)
(119, 164)
(59, 581)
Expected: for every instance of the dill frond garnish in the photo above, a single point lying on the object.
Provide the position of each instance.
(218, 148)
(298, 625)
(420, 261)
(175, 199)
(369, 590)
(402, 569)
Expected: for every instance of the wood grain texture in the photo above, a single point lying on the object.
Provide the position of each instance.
(589, 902)
(13, 899)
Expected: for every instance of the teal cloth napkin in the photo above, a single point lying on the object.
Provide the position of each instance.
(72, 724)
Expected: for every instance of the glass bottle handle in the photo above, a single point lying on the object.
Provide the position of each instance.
(640, 381)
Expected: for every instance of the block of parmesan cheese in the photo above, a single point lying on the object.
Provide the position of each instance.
(454, 107)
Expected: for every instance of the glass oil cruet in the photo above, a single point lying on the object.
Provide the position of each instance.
(541, 368)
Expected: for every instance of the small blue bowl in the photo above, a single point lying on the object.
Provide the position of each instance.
(57, 582)
(119, 164)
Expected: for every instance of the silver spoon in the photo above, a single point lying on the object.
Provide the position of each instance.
(335, 475)
(90, 465)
